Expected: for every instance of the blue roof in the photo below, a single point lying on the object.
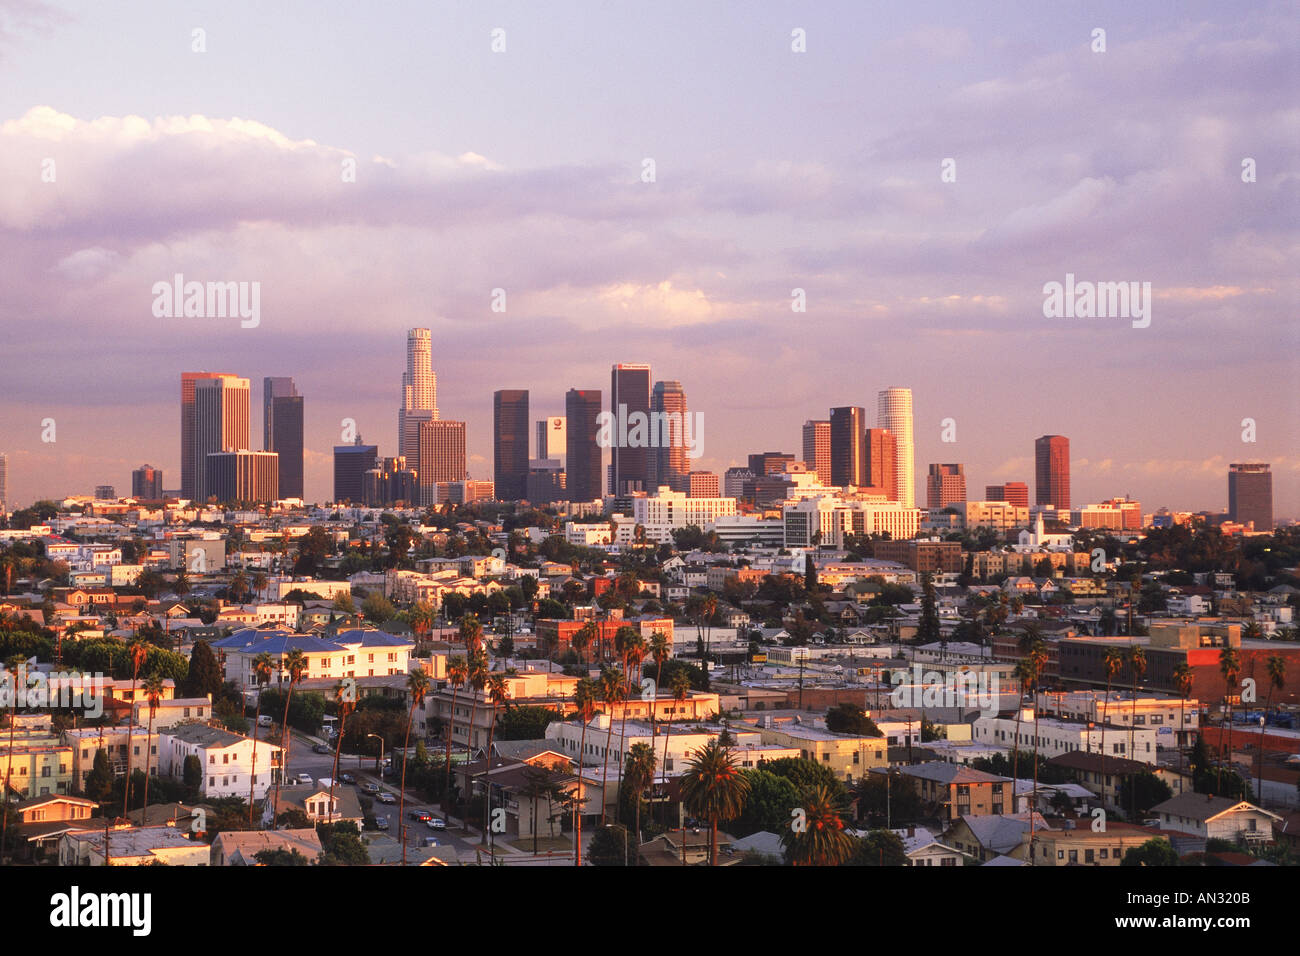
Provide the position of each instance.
(369, 637)
(253, 640)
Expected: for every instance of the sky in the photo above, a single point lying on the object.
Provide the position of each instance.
(523, 169)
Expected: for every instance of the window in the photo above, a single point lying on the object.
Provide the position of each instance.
(1089, 856)
(225, 758)
(826, 758)
(45, 772)
(212, 758)
(212, 781)
(856, 757)
(187, 711)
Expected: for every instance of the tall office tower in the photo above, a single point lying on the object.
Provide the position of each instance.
(146, 483)
(1052, 471)
(848, 449)
(894, 412)
(238, 476)
(441, 451)
(582, 450)
(4, 484)
(105, 493)
(770, 463)
(734, 483)
(1250, 495)
(389, 483)
(817, 449)
(945, 485)
(221, 423)
(668, 462)
(351, 462)
(282, 432)
(1013, 493)
(419, 392)
(189, 467)
(882, 463)
(704, 484)
(551, 438)
(629, 394)
(510, 444)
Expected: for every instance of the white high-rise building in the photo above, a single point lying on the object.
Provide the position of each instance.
(894, 412)
(419, 391)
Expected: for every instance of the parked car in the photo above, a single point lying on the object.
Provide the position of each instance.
(319, 749)
(381, 823)
(369, 787)
(306, 779)
(423, 816)
(348, 777)
(265, 720)
(386, 797)
(436, 823)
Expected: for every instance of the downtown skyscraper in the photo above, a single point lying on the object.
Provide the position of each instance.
(282, 427)
(894, 412)
(629, 394)
(419, 392)
(1250, 495)
(221, 423)
(848, 453)
(582, 446)
(1052, 472)
(668, 462)
(190, 469)
(510, 444)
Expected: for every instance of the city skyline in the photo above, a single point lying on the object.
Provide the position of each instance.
(1067, 162)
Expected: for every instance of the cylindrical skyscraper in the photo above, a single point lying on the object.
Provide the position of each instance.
(419, 392)
(894, 412)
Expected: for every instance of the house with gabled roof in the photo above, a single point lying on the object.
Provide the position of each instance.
(1208, 817)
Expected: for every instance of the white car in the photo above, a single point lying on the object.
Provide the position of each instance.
(305, 778)
(386, 797)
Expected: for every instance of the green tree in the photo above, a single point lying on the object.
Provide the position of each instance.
(525, 723)
(341, 845)
(192, 774)
(1155, 852)
(204, 674)
(879, 848)
(806, 775)
(851, 719)
(280, 857)
(1142, 791)
(377, 608)
(767, 805)
(610, 846)
(99, 782)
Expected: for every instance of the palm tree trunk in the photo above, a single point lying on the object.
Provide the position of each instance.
(713, 841)
(338, 748)
(401, 793)
(492, 729)
(285, 737)
(148, 746)
(469, 751)
(252, 774)
(577, 840)
(604, 773)
(9, 765)
(1105, 705)
(1015, 753)
(1033, 804)
(451, 730)
(130, 742)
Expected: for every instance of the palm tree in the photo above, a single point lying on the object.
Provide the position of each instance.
(1183, 684)
(417, 686)
(1024, 677)
(138, 652)
(345, 700)
(423, 617)
(498, 692)
(584, 697)
(263, 667)
(714, 788)
(471, 632)
(1276, 681)
(1113, 662)
(1137, 661)
(708, 607)
(679, 685)
(610, 687)
(1230, 668)
(457, 675)
(821, 841)
(632, 647)
(13, 664)
(583, 637)
(477, 676)
(660, 651)
(295, 664)
(1037, 660)
(640, 774)
(153, 691)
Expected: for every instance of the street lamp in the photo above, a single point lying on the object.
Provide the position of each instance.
(378, 767)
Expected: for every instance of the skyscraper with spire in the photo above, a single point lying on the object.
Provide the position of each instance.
(419, 392)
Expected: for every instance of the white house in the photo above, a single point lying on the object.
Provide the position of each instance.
(226, 758)
(1215, 818)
